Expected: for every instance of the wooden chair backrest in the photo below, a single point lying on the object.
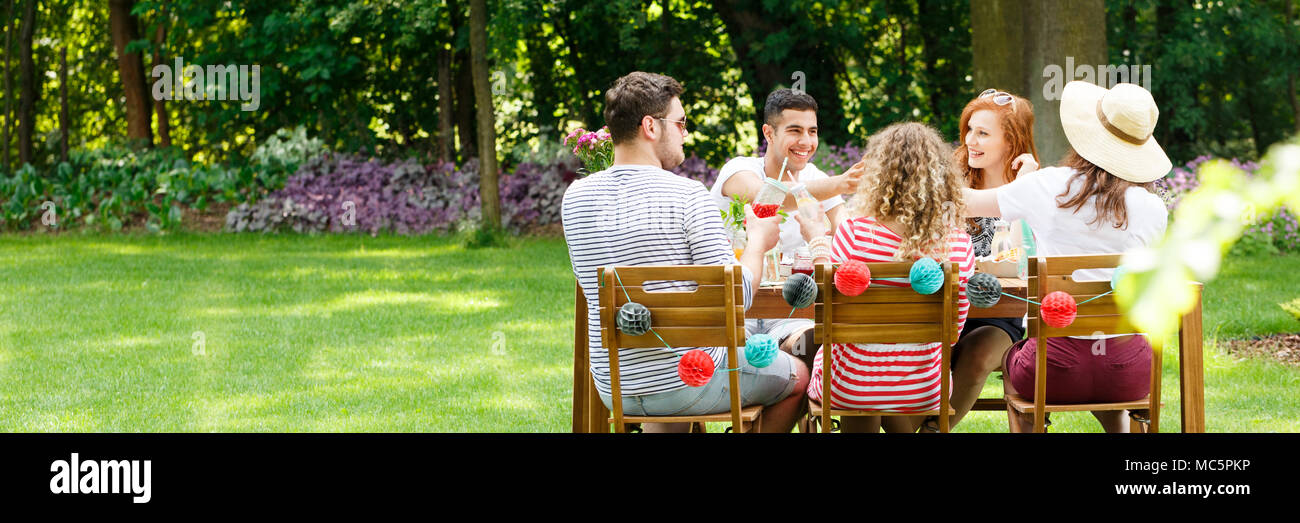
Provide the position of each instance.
(1056, 273)
(885, 314)
(711, 315)
(1097, 317)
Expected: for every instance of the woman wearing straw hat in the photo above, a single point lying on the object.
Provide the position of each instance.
(1101, 200)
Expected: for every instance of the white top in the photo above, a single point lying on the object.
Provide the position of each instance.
(791, 238)
(1062, 232)
(642, 215)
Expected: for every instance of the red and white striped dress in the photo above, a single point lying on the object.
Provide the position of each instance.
(894, 377)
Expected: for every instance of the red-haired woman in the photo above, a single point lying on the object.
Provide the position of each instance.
(997, 144)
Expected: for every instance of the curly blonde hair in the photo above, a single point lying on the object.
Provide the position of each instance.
(911, 180)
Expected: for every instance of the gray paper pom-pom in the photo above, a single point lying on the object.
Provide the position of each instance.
(983, 290)
(800, 290)
(633, 319)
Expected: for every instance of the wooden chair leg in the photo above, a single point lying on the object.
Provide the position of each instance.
(1139, 421)
(808, 424)
(698, 427)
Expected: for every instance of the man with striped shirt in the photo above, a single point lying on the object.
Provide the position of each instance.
(638, 213)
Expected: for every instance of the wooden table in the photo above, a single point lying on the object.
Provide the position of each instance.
(590, 414)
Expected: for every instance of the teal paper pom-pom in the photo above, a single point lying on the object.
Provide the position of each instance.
(800, 290)
(633, 319)
(760, 350)
(1116, 276)
(926, 276)
(983, 290)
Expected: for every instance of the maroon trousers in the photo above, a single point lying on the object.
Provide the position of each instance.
(1084, 371)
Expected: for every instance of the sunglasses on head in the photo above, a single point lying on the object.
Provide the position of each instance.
(999, 97)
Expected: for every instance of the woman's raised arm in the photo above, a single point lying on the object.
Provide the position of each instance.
(982, 202)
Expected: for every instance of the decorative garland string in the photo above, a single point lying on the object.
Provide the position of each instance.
(1040, 305)
(652, 330)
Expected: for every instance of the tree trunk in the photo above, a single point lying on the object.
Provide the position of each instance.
(131, 68)
(65, 134)
(1015, 42)
(444, 106)
(466, 125)
(487, 138)
(1056, 31)
(26, 84)
(1261, 143)
(583, 107)
(938, 79)
(160, 106)
(998, 46)
(541, 63)
(1290, 78)
(1172, 138)
(9, 92)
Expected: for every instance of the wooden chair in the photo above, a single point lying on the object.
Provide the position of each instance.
(710, 316)
(884, 314)
(1102, 315)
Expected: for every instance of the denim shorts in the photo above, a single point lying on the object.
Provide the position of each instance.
(764, 386)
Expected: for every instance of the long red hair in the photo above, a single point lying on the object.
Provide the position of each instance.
(1017, 120)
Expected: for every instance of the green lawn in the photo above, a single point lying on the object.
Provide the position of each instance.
(352, 333)
(300, 333)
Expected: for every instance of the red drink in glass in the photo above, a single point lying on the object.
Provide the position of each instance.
(766, 210)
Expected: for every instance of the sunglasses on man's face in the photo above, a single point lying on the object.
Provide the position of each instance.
(999, 97)
(681, 124)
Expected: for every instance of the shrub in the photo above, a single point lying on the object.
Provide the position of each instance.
(401, 197)
(112, 186)
(837, 159)
(1268, 234)
(115, 185)
(340, 193)
(277, 157)
(696, 169)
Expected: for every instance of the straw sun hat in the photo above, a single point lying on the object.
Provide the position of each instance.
(1112, 129)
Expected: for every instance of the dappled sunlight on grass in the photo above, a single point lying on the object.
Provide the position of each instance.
(219, 312)
(404, 253)
(121, 249)
(233, 413)
(509, 402)
(66, 421)
(127, 342)
(407, 302)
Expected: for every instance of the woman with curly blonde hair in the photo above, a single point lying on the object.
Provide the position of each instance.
(909, 205)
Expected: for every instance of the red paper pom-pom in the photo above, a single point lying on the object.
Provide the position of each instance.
(852, 278)
(765, 210)
(695, 368)
(1059, 309)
